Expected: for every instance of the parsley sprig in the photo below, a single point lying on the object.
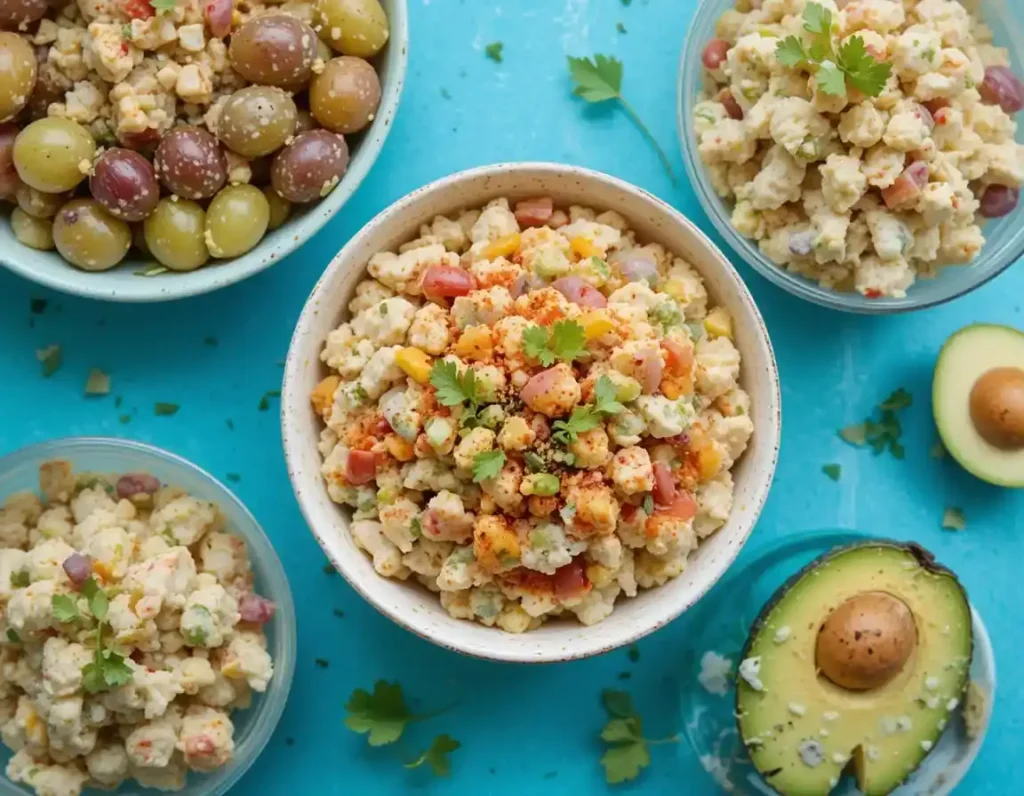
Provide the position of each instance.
(436, 756)
(453, 389)
(886, 431)
(627, 752)
(588, 417)
(487, 465)
(599, 80)
(833, 67)
(107, 669)
(566, 342)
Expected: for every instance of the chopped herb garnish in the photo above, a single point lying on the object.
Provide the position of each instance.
(37, 306)
(230, 424)
(323, 663)
(604, 397)
(20, 579)
(437, 756)
(534, 463)
(883, 433)
(634, 653)
(566, 342)
(118, 401)
(487, 465)
(583, 418)
(620, 27)
(953, 519)
(108, 669)
(600, 80)
(382, 716)
(833, 471)
(445, 94)
(126, 31)
(627, 754)
(648, 504)
(625, 675)
(163, 5)
(98, 383)
(51, 358)
(938, 450)
(339, 613)
(161, 409)
(289, 741)
(264, 404)
(453, 389)
(124, 420)
(330, 570)
(12, 636)
(234, 478)
(900, 399)
(494, 51)
(64, 608)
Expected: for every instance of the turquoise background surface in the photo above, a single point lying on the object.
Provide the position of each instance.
(524, 730)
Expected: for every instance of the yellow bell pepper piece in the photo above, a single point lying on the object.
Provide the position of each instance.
(323, 395)
(584, 248)
(595, 324)
(502, 247)
(415, 364)
(400, 448)
(475, 343)
(676, 289)
(719, 323)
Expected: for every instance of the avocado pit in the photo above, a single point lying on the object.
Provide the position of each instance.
(997, 407)
(866, 641)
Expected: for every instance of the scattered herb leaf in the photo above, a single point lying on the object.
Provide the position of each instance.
(604, 397)
(938, 450)
(234, 478)
(12, 636)
(534, 463)
(566, 342)
(886, 431)
(833, 471)
(382, 716)
(161, 409)
(599, 80)
(453, 389)
(124, 420)
(64, 608)
(264, 404)
(437, 756)
(487, 465)
(627, 754)
(583, 418)
(953, 519)
(37, 306)
(210, 341)
(634, 653)
(494, 51)
(620, 27)
(51, 358)
(329, 569)
(339, 613)
(98, 383)
(323, 663)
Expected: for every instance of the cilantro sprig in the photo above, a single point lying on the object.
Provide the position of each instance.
(883, 433)
(487, 465)
(600, 80)
(108, 669)
(566, 342)
(436, 756)
(588, 417)
(453, 389)
(833, 67)
(628, 753)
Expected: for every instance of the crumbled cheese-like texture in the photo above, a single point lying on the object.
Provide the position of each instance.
(715, 671)
(626, 502)
(175, 578)
(822, 182)
(750, 671)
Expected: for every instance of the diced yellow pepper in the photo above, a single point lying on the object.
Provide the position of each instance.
(719, 323)
(414, 363)
(323, 395)
(584, 248)
(502, 247)
(600, 575)
(400, 448)
(676, 288)
(595, 324)
(475, 343)
(709, 462)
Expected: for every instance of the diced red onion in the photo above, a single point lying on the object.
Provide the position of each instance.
(1003, 88)
(534, 212)
(649, 370)
(664, 485)
(132, 484)
(998, 200)
(635, 266)
(218, 16)
(78, 568)
(925, 116)
(256, 609)
(580, 292)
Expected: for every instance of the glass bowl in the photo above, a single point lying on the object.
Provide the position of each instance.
(254, 726)
(1004, 237)
(721, 625)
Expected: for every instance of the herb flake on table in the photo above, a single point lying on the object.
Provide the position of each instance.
(600, 80)
(494, 51)
(884, 433)
(264, 403)
(329, 569)
(98, 383)
(339, 613)
(938, 450)
(833, 471)
(124, 420)
(162, 409)
(51, 358)
(234, 478)
(37, 306)
(634, 653)
(620, 27)
(627, 753)
(953, 519)
(210, 341)
(323, 663)
(437, 755)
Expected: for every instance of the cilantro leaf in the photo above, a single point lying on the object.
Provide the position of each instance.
(604, 397)
(597, 79)
(568, 340)
(93, 680)
(628, 753)
(790, 52)
(437, 755)
(535, 344)
(625, 761)
(163, 5)
(98, 605)
(855, 435)
(900, 399)
(865, 73)
(830, 79)
(833, 471)
(583, 418)
(487, 465)
(64, 608)
(453, 389)
(382, 715)
(953, 519)
(493, 51)
(116, 672)
(818, 23)
(162, 409)
(884, 433)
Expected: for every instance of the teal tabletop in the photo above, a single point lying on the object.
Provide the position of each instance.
(523, 730)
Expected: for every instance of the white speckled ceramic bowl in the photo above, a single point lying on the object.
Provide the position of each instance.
(414, 607)
(124, 284)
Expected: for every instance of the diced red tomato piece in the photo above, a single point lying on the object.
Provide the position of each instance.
(446, 281)
(571, 580)
(664, 485)
(684, 507)
(137, 9)
(361, 467)
(872, 292)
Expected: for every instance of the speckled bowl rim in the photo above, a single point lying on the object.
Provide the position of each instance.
(295, 410)
(122, 285)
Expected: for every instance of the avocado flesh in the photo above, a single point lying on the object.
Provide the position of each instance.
(889, 730)
(967, 355)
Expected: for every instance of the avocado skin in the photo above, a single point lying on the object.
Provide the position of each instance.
(924, 556)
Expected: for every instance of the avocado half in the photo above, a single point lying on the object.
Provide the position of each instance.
(894, 628)
(978, 402)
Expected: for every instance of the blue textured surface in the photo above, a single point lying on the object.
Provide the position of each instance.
(524, 730)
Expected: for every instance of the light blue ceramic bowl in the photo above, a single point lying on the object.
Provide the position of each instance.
(253, 727)
(125, 284)
(1004, 237)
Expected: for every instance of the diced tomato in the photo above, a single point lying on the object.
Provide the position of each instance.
(872, 292)
(137, 9)
(664, 485)
(571, 580)
(678, 357)
(361, 467)
(382, 427)
(446, 281)
(907, 186)
(628, 512)
(684, 507)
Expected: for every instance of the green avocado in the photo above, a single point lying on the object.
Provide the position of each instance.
(858, 661)
(978, 401)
